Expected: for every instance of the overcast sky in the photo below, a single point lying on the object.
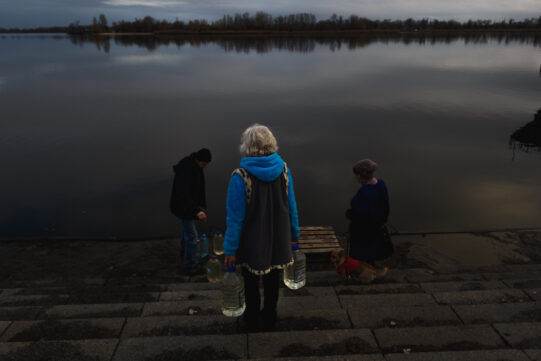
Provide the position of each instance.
(31, 13)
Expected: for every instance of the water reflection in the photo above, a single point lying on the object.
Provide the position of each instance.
(87, 140)
(306, 44)
(528, 137)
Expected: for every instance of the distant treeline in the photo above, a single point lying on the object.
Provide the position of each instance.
(262, 21)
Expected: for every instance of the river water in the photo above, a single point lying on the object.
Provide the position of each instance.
(90, 129)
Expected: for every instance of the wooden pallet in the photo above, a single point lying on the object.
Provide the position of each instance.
(320, 239)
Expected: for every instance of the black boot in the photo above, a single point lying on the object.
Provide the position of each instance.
(251, 322)
(268, 320)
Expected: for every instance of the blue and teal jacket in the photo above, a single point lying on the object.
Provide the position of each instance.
(267, 169)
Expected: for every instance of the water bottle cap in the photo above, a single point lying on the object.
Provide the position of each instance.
(295, 246)
(231, 268)
(203, 235)
(213, 256)
(217, 233)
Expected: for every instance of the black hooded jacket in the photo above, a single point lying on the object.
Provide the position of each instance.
(188, 195)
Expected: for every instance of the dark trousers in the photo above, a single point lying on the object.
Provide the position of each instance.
(265, 319)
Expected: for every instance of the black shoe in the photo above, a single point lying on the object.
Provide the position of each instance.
(268, 320)
(250, 324)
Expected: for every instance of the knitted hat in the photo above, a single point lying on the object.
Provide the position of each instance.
(203, 155)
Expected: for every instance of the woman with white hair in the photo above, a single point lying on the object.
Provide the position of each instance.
(262, 223)
(368, 213)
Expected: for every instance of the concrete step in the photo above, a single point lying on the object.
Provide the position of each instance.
(413, 314)
(86, 350)
(484, 355)
(188, 308)
(19, 313)
(61, 296)
(402, 316)
(506, 312)
(524, 335)
(368, 357)
(221, 347)
(387, 288)
(528, 283)
(50, 330)
(92, 311)
(439, 338)
(433, 287)
(387, 300)
(218, 324)
(481, 297)
(311, 343)
(535, 294)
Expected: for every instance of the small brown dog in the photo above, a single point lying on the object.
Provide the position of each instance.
(345, 266)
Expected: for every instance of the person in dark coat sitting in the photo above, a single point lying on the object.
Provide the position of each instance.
(188, 201)
(368, 213)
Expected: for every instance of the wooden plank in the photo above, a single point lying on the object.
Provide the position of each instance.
(316, 228)
(321, 246)
(323, 234)
(326, 231)
(330, 240)
(319, 243)
(309, 238)
(327, 245)
(318, 239)
(312, 241)
(319, 250)
(317, 234)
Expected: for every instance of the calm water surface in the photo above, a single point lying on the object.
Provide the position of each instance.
(89, 131)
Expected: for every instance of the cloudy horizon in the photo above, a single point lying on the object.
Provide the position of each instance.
(35, 13)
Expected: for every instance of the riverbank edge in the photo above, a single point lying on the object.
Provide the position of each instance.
(340, 234)
(297, 33)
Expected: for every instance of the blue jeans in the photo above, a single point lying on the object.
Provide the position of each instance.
(189, 236)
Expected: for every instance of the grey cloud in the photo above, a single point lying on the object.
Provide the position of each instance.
(62, 12)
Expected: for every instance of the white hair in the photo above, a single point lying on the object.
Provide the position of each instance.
(257, 141)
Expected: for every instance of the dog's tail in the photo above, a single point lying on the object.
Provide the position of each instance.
(381, 272)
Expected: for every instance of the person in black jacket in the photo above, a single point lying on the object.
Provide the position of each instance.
(368, 213)
(188, 201)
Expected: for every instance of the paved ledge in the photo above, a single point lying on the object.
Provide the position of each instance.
(507, 312)
(22, 331)
(535, 355)
(311, 343)
(371, 357)
(92, 311)
(479, 297)
(183, 347)
(451, 338)
(489, 355)
(387, 300)
(402, 316)
(87, 350)
(425, 312)
(434, 287)
(523, 335)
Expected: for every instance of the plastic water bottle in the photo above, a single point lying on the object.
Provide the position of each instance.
(218, 243)
(198, 250)
(204, 246)
(295, 274)
(214, 270)
(233, 303)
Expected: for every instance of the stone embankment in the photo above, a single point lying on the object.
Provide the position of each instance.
(413, 314)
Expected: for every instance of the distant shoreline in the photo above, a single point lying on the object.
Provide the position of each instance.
(287, 33)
